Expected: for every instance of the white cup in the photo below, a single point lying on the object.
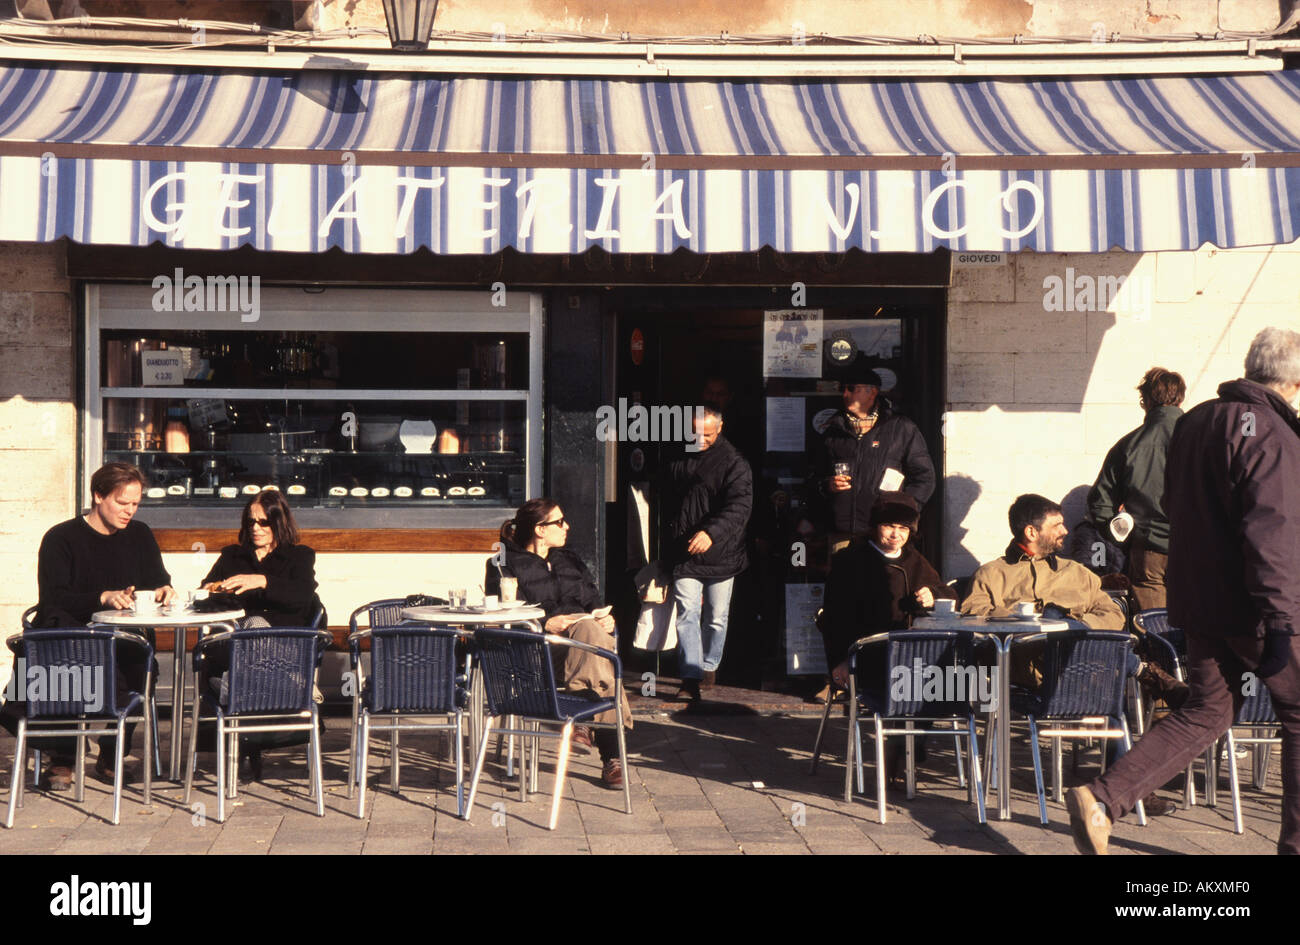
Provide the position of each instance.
(1025, 609)
(945, 605)
(145, 603)
(509, 590)
(1121, 526)
(491, 602)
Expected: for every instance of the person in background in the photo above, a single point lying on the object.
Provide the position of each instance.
(274, 579)
(556, 579)
(1232, 497)
(867, 447)
(710, 498)
(95, 562)
(1133, 479)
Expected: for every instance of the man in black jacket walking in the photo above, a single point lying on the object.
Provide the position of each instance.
(1232, 496)
(867, 448)
(712, 493)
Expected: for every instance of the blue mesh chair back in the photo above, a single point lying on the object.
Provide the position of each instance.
(1257, 708)
(517, 673)
(1084, 674)
(1156, 623)
(412, 669)
(388, 612)
(923, 669)
(76, 670)
(272, 670)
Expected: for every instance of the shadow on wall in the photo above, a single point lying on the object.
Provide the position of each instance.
(960, 493)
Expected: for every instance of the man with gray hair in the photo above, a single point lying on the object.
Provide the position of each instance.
(1232, 496)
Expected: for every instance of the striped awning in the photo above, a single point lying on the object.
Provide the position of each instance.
(388, 163)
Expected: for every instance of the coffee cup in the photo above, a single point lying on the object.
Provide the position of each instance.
(945, 605)
(491, 602)
(145, 603)
(1025, 609)
(1121, 526)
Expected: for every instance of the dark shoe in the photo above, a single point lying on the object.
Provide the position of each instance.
(57, 778)
(690, 691)
(1089, 821)
(1158, 684)
(250, 765)
(612, 774)
(104, 771)
(580, 740)
(1158, 806)
(710, 679)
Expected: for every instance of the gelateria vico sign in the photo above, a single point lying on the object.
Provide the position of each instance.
(180, 203)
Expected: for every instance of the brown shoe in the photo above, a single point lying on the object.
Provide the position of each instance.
(1158, 684)
(710, 679)
(689, 692)
(580, 740)
(104, 771)
(1156, 806)
(57, 778)
(1089, 821)
(612, 774)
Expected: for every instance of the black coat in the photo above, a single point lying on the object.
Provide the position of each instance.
(894, 442)
(867, 593)
(710, 491)
(559, 583)
(1232, 496)
(289, 598)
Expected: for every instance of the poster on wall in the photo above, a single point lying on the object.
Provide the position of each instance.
(804, 653)
(792, 343)
(785, 426)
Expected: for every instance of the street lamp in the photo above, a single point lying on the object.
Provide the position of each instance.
(410, 23)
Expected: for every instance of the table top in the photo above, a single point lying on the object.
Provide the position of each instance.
(474, 615)
(997, 625)
(179, 618)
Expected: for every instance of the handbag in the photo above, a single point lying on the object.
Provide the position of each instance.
(656, 625)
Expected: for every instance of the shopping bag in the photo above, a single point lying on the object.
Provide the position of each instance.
(656, 627)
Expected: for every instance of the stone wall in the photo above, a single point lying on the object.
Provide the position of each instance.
(38, 422)
(1037, 397)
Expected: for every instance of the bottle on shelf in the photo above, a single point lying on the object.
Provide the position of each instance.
(176, 436)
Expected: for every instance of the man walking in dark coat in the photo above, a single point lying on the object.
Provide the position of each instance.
(712, 492)
(866, 449)
(1232, 495)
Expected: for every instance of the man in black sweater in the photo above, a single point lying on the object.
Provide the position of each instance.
(96, 562)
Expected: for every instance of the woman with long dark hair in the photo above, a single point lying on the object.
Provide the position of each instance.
(273, 576)
(274, 579)
(555, 579)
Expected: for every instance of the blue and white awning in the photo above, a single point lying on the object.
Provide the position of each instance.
(308, 161)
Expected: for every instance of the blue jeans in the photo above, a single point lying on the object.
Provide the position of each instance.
(702, 609)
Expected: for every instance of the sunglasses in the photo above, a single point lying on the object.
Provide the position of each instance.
(559, 521)
(264, 522)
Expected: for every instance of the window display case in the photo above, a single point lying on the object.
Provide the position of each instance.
(355, 400)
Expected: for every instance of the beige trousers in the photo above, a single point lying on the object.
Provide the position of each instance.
(583, 671)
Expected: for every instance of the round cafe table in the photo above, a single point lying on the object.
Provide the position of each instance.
(179, 621)
(1001, 631)
(528, 616)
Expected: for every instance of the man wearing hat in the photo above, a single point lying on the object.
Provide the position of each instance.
(878, 582)
(868, 448)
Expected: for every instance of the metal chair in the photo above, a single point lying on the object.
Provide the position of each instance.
(519, 681)
(1085, 675)
(413, 675)
(269, 689)
(69, 660)
(1167, 647)
(1257, 717)
(888, 701)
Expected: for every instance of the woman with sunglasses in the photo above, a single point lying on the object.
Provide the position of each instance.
(274, 579)
(555, 579)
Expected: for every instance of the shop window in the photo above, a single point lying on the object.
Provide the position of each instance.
(346, 399)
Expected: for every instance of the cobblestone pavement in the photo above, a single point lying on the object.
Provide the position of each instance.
(701, 783)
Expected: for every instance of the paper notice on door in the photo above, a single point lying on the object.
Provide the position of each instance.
(891, 481)
(792, 343)
(804, 653)
(785, 426)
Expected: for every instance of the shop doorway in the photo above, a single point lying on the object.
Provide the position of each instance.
(677, 347)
